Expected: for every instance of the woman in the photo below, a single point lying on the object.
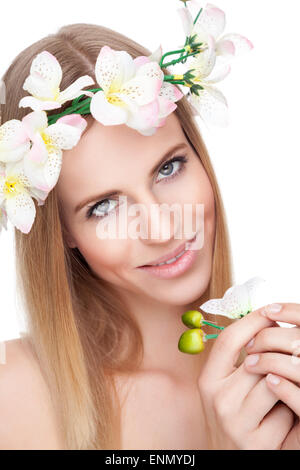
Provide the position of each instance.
(100, 367)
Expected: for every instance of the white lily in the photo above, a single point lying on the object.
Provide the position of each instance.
(129, 90)
(16, 196)
(237, 301)
(14, 142)
(210, 103)
(211, 22)
(3, 219)
(42, 164)
(166, 99)
(44, 81)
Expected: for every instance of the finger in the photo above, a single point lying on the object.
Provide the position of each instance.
(278, 423)
(226, 349)
(236, 387)
(286, 365)
(289, 313)
(257, 404)
(285, 391)
(275, 339)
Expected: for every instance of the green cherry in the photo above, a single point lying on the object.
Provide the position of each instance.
(192, 319)
(191, 341)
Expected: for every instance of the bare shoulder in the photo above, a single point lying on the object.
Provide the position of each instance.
(27, 418)
(158, 413)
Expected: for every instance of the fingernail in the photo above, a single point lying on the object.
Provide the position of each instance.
(273, 308)
(250, 343)
(273, 379)
(252, 360)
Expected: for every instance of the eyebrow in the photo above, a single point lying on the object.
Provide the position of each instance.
(115, 192)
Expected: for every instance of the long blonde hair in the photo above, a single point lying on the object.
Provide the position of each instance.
(75, 319)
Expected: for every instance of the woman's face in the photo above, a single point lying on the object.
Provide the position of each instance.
(118, 158)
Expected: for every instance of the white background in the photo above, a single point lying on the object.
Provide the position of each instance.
(256, 158)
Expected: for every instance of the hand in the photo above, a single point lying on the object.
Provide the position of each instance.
(239, 408)
(282, 364)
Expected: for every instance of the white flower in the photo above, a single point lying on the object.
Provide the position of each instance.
(3, 219)
(212, 22)
(44, 81)
(129, 90)
(237, 301)
(14, 142)
(164, 103)
(210, 103)
(42, 164)
(16, 196)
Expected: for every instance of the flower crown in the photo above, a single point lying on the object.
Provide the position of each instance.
(135, 92)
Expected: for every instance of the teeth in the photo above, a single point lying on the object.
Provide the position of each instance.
(170, 260)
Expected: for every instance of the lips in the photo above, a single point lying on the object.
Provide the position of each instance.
(170, 255)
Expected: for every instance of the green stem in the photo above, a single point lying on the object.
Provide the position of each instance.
(169, 53)
(199, 13)
(175, 61)
(212, 324)
(211, 336)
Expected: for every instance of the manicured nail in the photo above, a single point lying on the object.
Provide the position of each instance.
(250, 343)
(273, 379)
(252, 360)
(273, 308)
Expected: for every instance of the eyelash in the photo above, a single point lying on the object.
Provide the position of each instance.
(182, 159)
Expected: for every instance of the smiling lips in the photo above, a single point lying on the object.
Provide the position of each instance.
(172, 256)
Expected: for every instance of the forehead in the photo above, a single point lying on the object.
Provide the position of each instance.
(105, 149)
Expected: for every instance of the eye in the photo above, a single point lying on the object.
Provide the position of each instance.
(172, 167)
(101, 208)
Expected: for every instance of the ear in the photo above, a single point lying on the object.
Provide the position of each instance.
(70, 241)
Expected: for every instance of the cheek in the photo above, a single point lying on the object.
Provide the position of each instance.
(103, 255)
(197, 189)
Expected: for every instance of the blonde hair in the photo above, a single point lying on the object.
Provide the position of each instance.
(75, 319)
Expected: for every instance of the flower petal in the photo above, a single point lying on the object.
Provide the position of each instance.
(211, 105)
(3, 219)
(14, 142)
(74, 120)
(142, 89)
(38, 152)
(140, 60)
(63, 135)
(225, 47)
(38, 87)
(21, 211)
(113, 68)
(156, 55)
(186, 19)
(241, 44)
(205, 61)
(38, 194)
(219, 73)
(212, 20)
(166, 107)
(75, 90)
(106, 113)
(215, 306)
(144, 117)
(46, 66)
(44, 176)
(34, 122)
(38, 105)
(170, 92)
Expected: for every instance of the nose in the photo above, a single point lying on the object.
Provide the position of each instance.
(159, 221)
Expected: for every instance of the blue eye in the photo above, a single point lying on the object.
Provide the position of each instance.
(168, 167)
(101, 208)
